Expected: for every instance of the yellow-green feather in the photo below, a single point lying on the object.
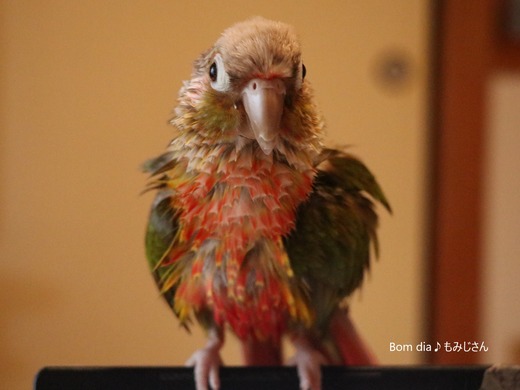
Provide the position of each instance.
(329, 248)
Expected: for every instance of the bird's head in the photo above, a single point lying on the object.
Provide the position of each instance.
(251, 87)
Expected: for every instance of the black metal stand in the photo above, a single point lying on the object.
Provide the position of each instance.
(261, 378)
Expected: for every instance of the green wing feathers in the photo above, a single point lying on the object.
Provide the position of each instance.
(162, 223)
(351, 175)
(329, 248)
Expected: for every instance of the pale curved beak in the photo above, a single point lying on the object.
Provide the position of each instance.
(263, 102)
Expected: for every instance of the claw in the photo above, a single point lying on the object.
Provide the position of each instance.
(308, 364)
(206, 362)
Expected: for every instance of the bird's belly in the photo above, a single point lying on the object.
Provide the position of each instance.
(260, 313)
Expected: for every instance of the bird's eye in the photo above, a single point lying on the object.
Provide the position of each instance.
(300, 73)
(218, 75)
(213, 72)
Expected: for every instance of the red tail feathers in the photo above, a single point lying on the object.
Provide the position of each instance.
(262, 352)
(351, 347)
(344, 346)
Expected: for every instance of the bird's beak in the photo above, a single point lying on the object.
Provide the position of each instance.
(263, 101)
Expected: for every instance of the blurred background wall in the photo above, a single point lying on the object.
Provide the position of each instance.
(87, 89)
(474, 291)
(501, 288)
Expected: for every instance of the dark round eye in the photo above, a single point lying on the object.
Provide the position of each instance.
(213, 72)
(304, 71)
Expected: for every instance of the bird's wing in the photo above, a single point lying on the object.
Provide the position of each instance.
(163, 223)
(329, 248)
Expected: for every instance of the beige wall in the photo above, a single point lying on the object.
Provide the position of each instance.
(86, 91)
(501, 292)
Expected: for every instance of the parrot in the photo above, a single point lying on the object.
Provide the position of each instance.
(257, 228)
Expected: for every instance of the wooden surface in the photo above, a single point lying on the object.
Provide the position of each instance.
(462, 66)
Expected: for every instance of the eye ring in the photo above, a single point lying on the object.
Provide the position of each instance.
(219, 79)
(213, 72)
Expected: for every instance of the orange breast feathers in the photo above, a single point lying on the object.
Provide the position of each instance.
(232, 220)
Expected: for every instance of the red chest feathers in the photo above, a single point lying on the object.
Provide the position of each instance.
(232, 220)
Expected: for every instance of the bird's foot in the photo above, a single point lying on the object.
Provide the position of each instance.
(308, 363)
(206, 363)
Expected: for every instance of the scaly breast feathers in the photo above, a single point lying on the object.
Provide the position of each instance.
(228, 256)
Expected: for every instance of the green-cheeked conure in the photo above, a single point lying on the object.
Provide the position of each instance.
(256, 226)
